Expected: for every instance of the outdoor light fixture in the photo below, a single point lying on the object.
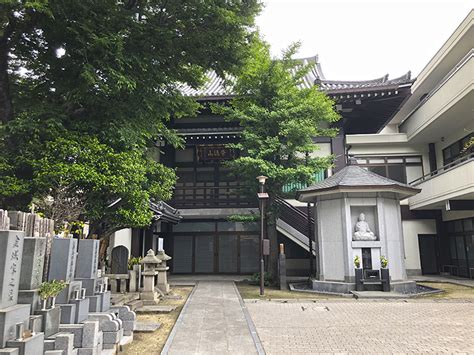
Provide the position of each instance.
(264, 245)
(261, 179)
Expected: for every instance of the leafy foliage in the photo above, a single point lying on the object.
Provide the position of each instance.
(279, 119)
(87, 89)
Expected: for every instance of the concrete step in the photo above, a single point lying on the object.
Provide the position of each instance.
(146, 327)
(135, 304)
(155, 309)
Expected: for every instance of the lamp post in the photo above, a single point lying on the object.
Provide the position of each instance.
(262, 196)
(310, 241)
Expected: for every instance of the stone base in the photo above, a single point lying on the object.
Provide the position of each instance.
(9, 351)
(63, 342)
(82, 309)
(9, 317)
(28, 346)
(89, 284)
(68, 313)
(332, 286)
(403, 286)
(86, 335)
(68, 293)
(112, 337)
(30, 297)
(127, 317)
(105, 301)
(94, 303)
(149, 297)
(50, 320)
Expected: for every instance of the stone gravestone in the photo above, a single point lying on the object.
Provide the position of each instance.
(32, 272)
(4, 220)
(87, 272)
(119, 263)
(74, 305)
(14, 318)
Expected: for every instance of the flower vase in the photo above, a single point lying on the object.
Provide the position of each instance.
(53, 302)
(44, 304)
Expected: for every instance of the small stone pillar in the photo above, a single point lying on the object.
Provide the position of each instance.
(163, 284)
(282, 268)
(150, 263)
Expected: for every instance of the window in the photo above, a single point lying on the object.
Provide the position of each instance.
(402, 169)
(458, 149)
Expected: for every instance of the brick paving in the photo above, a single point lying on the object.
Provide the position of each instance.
(377, 327)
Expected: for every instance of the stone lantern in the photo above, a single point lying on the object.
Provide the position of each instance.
(162, 272)
(150, 263)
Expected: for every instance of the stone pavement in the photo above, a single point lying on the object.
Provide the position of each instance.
(376, 327)
(212, 322)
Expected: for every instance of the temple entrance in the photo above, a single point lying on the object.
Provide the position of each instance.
(428, 254)
(207, 247)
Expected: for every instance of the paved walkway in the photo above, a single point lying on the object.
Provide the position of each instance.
(212, 322)
(365, 327)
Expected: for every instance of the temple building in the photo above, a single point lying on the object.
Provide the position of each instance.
(417, 132)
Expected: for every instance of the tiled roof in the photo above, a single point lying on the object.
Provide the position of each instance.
(355, 177)
(216, 87)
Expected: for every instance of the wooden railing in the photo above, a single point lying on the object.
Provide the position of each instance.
(294, 217)
(212, 197)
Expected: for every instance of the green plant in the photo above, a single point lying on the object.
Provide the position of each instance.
(383, 261)
(133, 261)
(357, 261)
(255, 279)
(51, 288)
(244, 218)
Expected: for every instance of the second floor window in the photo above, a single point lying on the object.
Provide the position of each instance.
(404, 169)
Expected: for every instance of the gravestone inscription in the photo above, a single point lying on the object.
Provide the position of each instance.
(119, 260)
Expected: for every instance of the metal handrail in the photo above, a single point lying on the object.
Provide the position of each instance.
(444, 169)
(293, 216)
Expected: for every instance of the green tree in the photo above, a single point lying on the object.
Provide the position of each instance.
(279, 118)
(102, 77)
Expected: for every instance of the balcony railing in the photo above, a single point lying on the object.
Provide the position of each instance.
(448, 167)
(212, 197)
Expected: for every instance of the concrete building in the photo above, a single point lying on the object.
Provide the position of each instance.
(429, 144)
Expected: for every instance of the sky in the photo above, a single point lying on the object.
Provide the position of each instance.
(361, 40)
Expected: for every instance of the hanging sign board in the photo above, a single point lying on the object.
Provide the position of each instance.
(214, 152)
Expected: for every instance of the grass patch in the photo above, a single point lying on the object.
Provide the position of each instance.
(451, 291)
(248, 291)
(152, 343)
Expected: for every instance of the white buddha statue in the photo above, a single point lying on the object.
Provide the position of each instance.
(362, 230)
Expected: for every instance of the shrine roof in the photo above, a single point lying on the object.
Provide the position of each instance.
(217, 87)
(353, 178)
(164, 212)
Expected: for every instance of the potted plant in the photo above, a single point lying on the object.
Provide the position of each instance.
(385, 274)
(49, 291)
(358, 274)
(357, 261)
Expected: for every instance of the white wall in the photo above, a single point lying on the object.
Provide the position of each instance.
(411, 229)
(122, 237)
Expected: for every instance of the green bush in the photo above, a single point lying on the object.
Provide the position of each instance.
(255, 279)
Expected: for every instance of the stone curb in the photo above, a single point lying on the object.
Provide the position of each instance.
(251, 326)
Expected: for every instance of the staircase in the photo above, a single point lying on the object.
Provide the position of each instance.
(293, 224)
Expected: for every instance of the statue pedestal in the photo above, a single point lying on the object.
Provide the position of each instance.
(163, 284)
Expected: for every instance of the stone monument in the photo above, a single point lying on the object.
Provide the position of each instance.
(15, 327)
(72, 300)
(119, 274)
(358, 214)
(87, 268)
